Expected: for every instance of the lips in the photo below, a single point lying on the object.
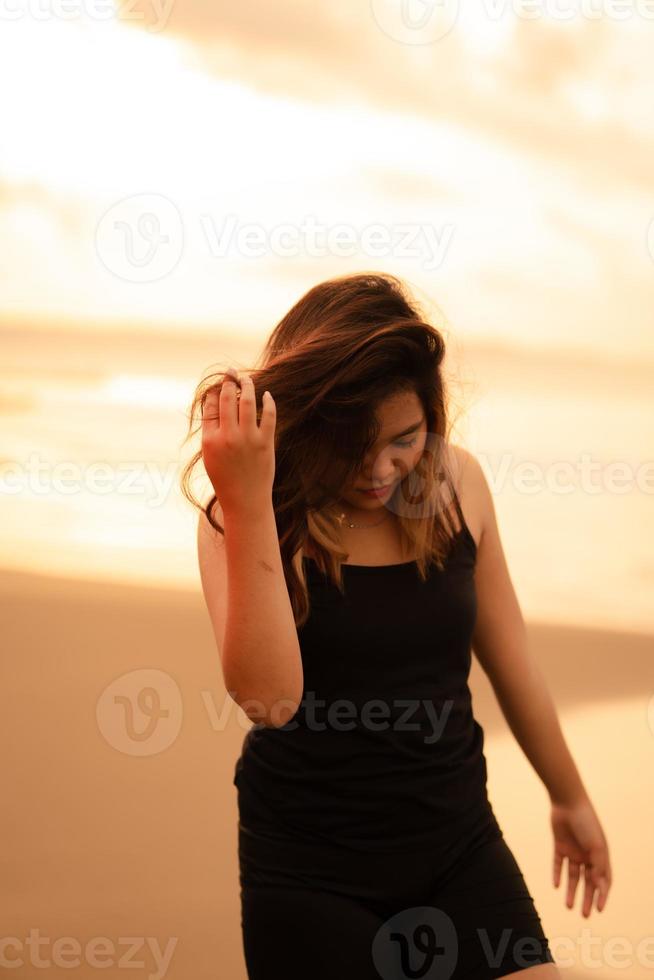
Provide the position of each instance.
(374, 489)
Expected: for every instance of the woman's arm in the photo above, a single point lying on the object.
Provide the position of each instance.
(501, 646)
(242, 571)
(250, 609)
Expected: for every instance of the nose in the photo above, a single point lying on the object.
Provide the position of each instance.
(380, 475)
(386, 467)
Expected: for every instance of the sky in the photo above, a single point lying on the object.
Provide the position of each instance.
(203, 164)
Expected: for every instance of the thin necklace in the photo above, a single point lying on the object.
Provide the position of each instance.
(342, 519)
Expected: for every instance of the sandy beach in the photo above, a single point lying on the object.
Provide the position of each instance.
(108, 836)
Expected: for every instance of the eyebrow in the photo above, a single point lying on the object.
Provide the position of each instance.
(405, 432)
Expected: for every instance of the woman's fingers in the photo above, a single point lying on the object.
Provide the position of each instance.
(573, 879)
(603, 886)
(268, 416)
(247, 406)
(228, 408)
(210, 413)
(589, 890)
(558, 864)
(601, 874)
(597, 884)
(238, 406)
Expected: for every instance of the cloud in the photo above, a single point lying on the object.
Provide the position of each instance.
(533, 92)
(542, 57)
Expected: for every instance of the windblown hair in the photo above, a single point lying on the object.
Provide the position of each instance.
(346, 345)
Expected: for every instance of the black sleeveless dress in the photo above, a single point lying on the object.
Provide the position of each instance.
(384, 752)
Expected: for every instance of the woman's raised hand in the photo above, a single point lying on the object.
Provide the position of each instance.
(239, 454)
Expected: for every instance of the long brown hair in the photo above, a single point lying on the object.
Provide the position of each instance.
(346, 345)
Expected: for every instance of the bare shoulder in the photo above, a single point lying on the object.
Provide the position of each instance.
(472, 489)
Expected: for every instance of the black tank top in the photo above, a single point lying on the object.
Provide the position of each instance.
(383, 751)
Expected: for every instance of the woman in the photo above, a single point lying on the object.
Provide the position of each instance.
(345, 620)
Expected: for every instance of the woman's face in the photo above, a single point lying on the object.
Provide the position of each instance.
(400, 445)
